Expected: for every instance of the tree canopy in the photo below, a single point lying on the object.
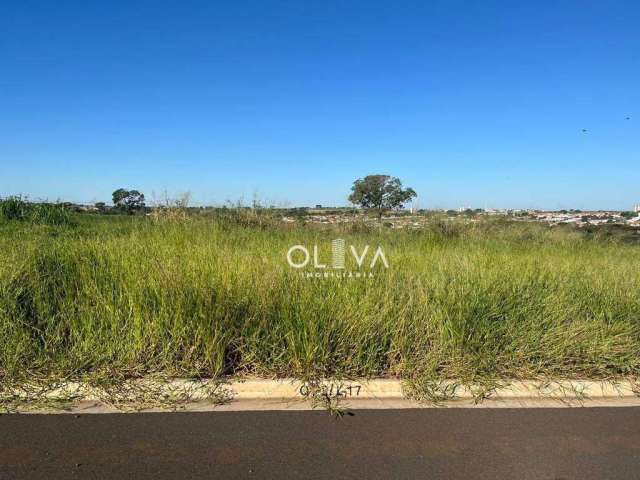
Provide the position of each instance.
(380, 193)
(129, 200)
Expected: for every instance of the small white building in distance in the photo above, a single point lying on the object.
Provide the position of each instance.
(636, 208)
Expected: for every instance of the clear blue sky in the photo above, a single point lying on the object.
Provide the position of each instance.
(478, 103)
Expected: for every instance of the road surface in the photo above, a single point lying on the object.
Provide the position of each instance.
(565, 443)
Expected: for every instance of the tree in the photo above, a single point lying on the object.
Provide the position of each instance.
(129, 200)
(380, 193)
(118, 197)
(135, 200)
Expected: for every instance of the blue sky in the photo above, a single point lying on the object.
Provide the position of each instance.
(471, 103)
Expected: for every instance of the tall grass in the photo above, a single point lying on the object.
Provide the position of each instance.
(216, 296)
(16, 208)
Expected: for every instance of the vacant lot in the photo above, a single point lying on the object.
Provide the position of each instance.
(130, 296)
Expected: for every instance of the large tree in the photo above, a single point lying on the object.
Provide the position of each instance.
(118, 197)
(129, 200)
(380, 193)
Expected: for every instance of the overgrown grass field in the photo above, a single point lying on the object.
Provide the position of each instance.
(132, 296)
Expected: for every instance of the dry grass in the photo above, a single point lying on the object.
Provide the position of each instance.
(209, 297)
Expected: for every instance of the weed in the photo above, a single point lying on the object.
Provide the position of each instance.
(475, 302)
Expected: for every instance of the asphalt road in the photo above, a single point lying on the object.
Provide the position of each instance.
(580, 443)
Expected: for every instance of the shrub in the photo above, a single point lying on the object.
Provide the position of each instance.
(16, 208)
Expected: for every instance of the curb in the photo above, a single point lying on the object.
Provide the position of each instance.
(395, 389)
(292, 394)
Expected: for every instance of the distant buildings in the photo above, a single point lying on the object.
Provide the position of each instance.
(419, 219)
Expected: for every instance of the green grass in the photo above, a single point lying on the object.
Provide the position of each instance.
(131, 296)
(15, 208)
